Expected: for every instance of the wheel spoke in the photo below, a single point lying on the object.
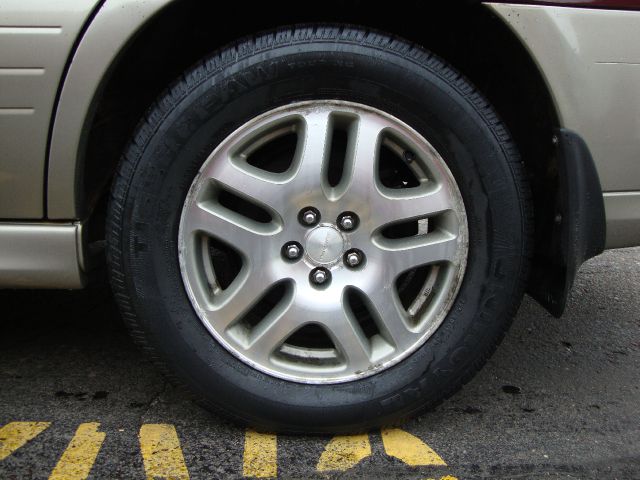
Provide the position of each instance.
(231, 304)
(263, 188)
(284, 320)
(391, 317)
(391, 209)
(314, 152)
(228, 226)
(274, 329)
(362, 157)
(349, 339)
(403, 254)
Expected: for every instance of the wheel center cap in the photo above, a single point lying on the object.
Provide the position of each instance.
(324, 244)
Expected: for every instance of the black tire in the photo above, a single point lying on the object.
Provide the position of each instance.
(273, 69)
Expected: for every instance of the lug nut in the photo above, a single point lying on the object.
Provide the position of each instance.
(292, 251)
(353, 259)
(320, 276)
(309, 216)
(348, 221)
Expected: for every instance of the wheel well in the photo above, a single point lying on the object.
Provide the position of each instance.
(466, 34)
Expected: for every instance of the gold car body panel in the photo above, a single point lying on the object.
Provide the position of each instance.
(590, 60)
(34, 48)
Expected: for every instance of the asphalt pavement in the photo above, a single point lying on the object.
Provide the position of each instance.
(559, 399)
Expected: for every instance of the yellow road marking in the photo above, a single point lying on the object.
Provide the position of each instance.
(15, 434)
(408, 448)
(260, 457)
(78, 458)
(344, 452)
(161, 453)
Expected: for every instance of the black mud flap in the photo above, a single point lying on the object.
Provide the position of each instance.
(577, 230)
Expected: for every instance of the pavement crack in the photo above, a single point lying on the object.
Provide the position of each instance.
(153, 401)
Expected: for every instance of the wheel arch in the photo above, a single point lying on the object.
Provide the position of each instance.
(93, 65)
(128, 56)
(116, 75)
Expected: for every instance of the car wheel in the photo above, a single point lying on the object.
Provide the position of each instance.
(320, 229)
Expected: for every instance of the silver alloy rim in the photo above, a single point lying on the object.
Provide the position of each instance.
(272, 314)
